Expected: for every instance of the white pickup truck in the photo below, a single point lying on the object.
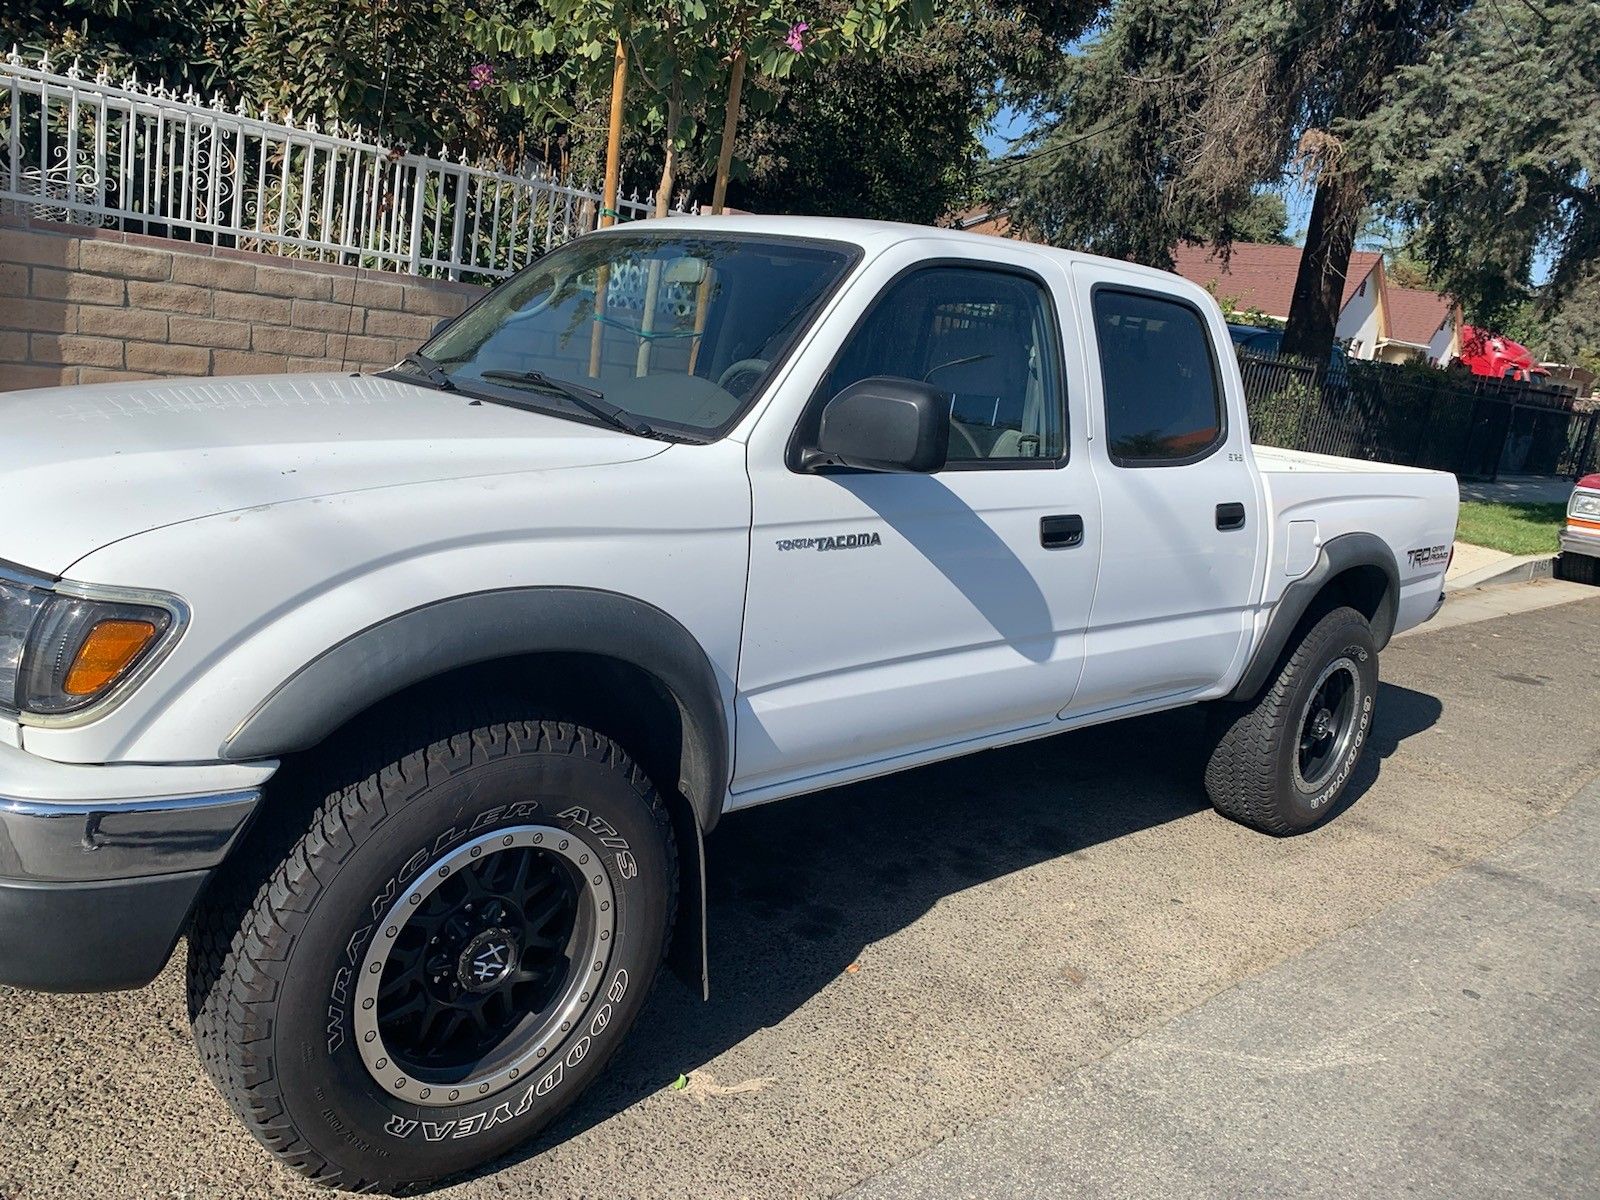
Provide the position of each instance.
(410, 698)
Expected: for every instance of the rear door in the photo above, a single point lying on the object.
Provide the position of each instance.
(1181, 502)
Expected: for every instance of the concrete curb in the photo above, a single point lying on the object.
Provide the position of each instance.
(1509, 570)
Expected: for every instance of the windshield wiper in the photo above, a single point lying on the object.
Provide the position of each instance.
(431, 371)
(589, 399)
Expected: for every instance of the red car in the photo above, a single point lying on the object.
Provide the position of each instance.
(1580, 540)
(1486, 353)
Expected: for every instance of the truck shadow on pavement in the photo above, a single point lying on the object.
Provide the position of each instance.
(800, 887)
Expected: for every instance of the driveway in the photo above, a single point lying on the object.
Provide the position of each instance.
(896, 962)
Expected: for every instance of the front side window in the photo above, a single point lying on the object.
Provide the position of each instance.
(1163, 407)
(983, 336)
(678, 330)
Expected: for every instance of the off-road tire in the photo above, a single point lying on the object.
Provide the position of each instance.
(270, 955)
(1251, 775)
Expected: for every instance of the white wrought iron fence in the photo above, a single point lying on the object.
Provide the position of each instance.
(138, 156)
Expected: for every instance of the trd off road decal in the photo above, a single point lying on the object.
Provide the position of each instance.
(843, 541)
(487, 1118)
(1427, 556)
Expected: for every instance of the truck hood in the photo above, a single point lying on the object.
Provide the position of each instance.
(81, 467)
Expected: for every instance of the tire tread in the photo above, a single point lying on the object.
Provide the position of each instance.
(243, 932)
(1241, 774)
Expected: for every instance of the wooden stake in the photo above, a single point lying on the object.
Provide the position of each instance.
(719, 193)
(608, 196)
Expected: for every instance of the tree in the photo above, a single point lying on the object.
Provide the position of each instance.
(683, 48)
(1264, 219)
(927, 104)
(1488, 149)
(184, 43)
(1168, 123)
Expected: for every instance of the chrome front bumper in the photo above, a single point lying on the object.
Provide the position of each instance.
(96, 885)
(1577, 541)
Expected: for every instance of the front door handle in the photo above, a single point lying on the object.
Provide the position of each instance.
(1230, 516)
(1061, 532)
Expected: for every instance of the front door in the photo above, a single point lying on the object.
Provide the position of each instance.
(892, 614)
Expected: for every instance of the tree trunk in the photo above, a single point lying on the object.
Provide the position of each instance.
(730, 126)
(652, 289)
(1324, 263)
(669, 151)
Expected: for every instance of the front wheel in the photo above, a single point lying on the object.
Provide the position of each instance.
(443, 960)
(1281, 761)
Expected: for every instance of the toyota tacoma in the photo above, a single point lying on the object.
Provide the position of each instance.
(408, 699)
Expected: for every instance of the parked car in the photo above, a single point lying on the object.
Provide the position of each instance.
(1257, 339)
(410, 697)
(1580, 540)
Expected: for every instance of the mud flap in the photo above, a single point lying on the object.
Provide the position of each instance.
(689, 958)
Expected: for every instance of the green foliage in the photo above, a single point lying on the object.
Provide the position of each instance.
(372, 62)
(388, 67)
(899, 136)
(1263, 219)
(1166, 127)
(556, 55)
(1278, 418)
(184, 43)
(1487, 146)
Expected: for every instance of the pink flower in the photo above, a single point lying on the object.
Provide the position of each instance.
(796, 40)
(482, 75)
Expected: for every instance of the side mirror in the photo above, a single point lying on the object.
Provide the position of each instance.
(442, 324)
(884, 424)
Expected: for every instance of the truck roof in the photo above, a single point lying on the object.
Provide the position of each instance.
(879, 235)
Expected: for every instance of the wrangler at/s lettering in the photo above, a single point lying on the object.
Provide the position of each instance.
(410, 699)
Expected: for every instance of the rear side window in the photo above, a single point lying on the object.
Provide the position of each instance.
(1163, 407)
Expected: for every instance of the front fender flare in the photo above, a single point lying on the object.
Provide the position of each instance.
(417, 645)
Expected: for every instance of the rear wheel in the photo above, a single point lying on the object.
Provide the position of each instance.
(1281, 761)
(444, 958)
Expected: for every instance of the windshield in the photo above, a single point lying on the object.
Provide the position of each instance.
(679, 330)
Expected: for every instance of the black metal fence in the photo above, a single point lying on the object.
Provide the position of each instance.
(1477, 428)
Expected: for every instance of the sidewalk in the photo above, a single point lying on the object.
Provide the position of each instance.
(1520, 489)
(1450, 1046)
(1474, 565)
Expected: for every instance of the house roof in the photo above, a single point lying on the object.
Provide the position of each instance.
(1261, 276)
(1416, 315)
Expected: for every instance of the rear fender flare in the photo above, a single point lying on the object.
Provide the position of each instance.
(1337, 556)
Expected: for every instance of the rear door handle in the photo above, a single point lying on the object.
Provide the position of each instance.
(1230, 516)
(1061, 532)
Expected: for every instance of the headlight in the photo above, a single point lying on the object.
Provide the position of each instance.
(65, 647)
(1584, 504)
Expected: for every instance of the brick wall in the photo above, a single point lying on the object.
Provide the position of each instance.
(93, 306)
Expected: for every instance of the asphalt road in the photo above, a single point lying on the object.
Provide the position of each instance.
(896, 962)
(1448, 1047)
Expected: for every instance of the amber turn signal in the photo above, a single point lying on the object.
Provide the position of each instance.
(105, 654)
